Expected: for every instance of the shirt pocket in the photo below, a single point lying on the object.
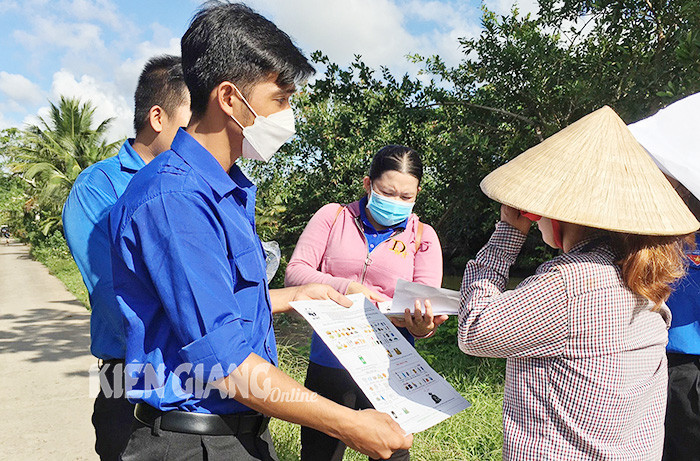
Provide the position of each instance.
(249, 266)
(249, 281)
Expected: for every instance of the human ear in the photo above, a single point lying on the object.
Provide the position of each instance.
(226, 96)
(156, 118)
(367, 184)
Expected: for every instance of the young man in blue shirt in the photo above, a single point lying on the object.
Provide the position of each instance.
(161, 107)
(682, 441)
(189, 270)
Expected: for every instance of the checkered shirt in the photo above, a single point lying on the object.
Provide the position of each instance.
(586, 371)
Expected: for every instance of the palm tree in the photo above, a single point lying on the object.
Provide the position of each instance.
(54, 152)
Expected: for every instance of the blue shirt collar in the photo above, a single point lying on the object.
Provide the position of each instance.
(204, 163)
(368, 225)
(129, 158)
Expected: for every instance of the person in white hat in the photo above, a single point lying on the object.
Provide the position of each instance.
(585, 336)
(672, 138)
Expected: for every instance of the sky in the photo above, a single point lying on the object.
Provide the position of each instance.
(95, 49)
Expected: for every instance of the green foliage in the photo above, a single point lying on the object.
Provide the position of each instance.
(52, 251)
(50, 156)
(11, 198)
(521, 80)
(641, 54)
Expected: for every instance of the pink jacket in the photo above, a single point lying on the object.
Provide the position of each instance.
(332, 250)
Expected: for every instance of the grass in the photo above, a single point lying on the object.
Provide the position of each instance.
(474, 434)
(58, 260)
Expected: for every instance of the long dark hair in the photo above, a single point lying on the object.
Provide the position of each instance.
(396, 158)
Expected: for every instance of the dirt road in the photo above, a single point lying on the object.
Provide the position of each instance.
(45, 406)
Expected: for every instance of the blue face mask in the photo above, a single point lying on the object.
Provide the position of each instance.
(386, 211)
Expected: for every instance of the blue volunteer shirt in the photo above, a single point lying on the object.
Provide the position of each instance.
(684, 302)
(85, 226)
(189, 275)
(320, 353)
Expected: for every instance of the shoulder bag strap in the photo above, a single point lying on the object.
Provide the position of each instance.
(419, 235)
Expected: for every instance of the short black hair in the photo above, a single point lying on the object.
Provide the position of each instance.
(396, 158)
(161, 84)
(229, 42)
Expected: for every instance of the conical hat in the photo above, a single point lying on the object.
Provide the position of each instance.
(593, 173)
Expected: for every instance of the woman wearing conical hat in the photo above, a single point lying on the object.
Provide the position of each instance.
(585, 336)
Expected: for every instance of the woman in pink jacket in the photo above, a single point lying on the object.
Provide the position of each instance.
(365, 247)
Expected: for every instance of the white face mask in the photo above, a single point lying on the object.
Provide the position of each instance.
(267, 134)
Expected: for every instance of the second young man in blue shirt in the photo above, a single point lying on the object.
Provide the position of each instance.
(161, 107)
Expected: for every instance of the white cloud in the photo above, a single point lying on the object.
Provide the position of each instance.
(19, 89)
(8, 5)
(341, 29)
(50, 32)
(104, 96)
(85, 36)
(33, 119)
(101, 52)
(6, 122)
(376, 29)
(450, 22)
(103, 11)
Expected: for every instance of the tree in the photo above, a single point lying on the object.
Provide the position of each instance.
(52, 154)
(525, 78)
(521, 80)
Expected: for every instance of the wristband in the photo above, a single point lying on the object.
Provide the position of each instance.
(432, 332)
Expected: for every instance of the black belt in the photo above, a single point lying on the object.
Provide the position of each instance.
(675, 359)
(101, 362)
(202, 423)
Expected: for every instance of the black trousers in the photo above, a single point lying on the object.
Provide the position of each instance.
(337, 385)
(682, 441)
(112, 416)
(153, 444)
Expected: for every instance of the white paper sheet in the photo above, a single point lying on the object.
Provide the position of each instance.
(393, 376)
(442, 300)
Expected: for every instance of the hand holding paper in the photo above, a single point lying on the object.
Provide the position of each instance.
(421, 325)
(443, 301)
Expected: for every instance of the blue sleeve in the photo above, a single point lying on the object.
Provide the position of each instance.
(86, 228)
(183, 249)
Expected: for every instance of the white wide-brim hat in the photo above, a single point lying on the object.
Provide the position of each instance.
(672, 138)
(593, 173)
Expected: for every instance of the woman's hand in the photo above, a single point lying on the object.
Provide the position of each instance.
(515, 219)
(420, 325)
(372, 295)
